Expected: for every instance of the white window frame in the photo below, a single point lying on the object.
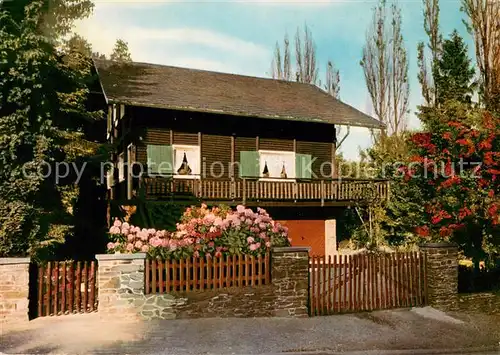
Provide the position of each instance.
(175, 147)
(109, 179)
(277, 152)
(115, 115)
(120, 164)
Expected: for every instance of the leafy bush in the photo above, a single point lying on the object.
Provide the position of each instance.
(203, 232)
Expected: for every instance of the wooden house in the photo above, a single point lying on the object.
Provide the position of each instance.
(232, 139)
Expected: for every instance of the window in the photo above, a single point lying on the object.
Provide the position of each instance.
(109, 122)
(276, 164)
(121, 167)
(186, 161)
(109, 179)
(268, 164)
(115, 115)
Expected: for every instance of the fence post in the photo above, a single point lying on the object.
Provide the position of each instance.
(290, 278)
(14, 291)
(120, 280)
(441, 274)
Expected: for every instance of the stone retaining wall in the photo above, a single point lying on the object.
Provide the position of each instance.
(14, 290)
(479, 302)
(121, 291)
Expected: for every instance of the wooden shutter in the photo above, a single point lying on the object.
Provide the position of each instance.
(303, 166)
(160, 159)
(249, 164)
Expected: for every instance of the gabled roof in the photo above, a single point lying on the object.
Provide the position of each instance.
(160, 86)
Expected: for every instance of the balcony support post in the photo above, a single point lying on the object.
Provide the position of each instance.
(322, 193)
(244, 192)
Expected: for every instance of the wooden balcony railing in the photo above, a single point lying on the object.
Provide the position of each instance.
(245, 190)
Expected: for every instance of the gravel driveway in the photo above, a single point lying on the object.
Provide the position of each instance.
(421, 328)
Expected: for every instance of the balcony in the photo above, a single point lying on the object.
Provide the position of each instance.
(268, 193)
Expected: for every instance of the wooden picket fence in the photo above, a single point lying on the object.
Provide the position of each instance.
(65, 287)
(190, 274)
(366, 282)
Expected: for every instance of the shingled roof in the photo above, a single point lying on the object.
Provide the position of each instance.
(151, 85)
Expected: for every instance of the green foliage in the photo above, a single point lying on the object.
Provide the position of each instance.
(453, 73)
(43, 95)
(121, 52)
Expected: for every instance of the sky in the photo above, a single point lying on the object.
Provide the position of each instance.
(239, 37)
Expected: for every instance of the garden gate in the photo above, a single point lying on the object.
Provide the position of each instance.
(366, 282)
(63, 287)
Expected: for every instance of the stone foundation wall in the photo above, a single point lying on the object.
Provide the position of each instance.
(14, 290)
(121, 291)
(479, 302)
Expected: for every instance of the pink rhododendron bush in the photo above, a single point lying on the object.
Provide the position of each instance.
(203, 232)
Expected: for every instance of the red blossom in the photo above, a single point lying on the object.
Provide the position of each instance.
(422, 231)
(464, 212)
(454, 180)
(455, 124)
(491, 193)
(447, 135)
(493, 210)
(445, 232)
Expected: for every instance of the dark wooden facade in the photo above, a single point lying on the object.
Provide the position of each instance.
(221, 139)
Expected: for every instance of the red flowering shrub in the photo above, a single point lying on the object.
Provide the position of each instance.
(456, 165)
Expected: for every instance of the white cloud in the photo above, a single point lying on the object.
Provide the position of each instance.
(194, 36)
(187, 47)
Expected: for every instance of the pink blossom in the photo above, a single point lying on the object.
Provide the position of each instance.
(114, 230)
(110, 245)
(125, 225)
(117, 223)
(143, 235)
(155, 242)
(254, 246)
(262, 226)
(130, 237)
(250, 240)
(240, 209)
(262, 235)
(237, 222)
(130, 247)
(268, 244)
(196, 254)
(145, 248)
(248, 221)
(218, 222)
(151, 231)
(138, 244)
(254, 230)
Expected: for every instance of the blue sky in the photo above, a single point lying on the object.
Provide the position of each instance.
(239, 37)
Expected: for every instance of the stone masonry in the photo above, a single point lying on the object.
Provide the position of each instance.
(14, 290)
(121, 288)
(442, 274)
(121, 291)
(290, 279)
